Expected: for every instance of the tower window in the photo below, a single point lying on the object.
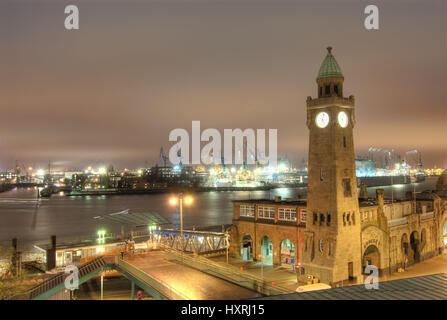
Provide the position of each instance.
(327, 89)
(315, 218)
(321, 91)
(353, 218)
(336, 89)
(344, 142)
(344, 218)
(321, 174)
(328, 220)
(347, 187)
(321, 219)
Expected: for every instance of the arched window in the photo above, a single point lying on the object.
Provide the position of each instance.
(321, 219)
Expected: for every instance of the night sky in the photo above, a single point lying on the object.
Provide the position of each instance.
(111, 92)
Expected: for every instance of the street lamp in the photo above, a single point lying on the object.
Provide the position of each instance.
(174, 201)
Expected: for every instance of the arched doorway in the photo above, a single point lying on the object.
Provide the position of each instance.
(371, 257)
(267, 250)
(247, 248)
(287, 254)
(415, 247)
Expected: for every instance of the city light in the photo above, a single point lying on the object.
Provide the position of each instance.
(173, 201)
(188, 200)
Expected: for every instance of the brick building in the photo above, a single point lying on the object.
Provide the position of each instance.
(335, 234)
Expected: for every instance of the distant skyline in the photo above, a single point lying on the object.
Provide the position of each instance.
(111, 92)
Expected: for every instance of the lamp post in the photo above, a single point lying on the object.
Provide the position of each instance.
(174, 201)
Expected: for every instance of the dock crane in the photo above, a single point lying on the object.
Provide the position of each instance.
(164, 158)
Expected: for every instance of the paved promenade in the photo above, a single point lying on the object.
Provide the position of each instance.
(193, 284)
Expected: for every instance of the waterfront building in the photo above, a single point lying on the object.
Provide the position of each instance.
(269, 228)
(342, 234)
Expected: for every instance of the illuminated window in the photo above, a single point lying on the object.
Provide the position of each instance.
(247, 211)
(266, 212)
(287, 214)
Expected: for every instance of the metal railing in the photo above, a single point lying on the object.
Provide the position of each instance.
(198, 242)
(158, 285)
(228, 273)
(59, 278)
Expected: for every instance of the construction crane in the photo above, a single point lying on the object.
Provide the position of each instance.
(414, 158)
(164, 158)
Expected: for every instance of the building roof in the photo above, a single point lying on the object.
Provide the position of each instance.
(430, 287)
(134, 218)
(329, 67)
(281, 202)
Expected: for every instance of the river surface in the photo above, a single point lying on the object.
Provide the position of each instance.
(68, 217)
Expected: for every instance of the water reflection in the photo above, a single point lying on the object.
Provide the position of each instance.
(73, 216)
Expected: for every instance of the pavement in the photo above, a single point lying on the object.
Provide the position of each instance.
(197, 285)
(434, 265)
(276, 276)
(193, 284)
(288, 279)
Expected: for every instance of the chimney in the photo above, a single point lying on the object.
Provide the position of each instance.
(278, 199)
(363, 192)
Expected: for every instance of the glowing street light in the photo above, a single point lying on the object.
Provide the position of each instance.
(173, 201)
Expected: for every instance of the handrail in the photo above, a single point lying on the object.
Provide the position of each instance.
(229, 273)
(60, 278)
(158, 285)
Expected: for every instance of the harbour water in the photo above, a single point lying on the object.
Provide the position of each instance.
(68, 217)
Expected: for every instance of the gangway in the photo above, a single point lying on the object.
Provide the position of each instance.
(197, 242)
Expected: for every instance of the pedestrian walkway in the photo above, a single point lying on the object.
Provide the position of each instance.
(276, 276)
(190, 283)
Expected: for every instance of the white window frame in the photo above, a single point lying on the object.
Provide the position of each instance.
(247, 211)
(287, 214)
(266, 213)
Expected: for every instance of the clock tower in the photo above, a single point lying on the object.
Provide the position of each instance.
(332, 249)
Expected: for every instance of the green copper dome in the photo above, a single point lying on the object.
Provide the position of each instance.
(329, 67)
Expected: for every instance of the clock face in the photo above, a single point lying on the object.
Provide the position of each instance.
(343, 119)
(322, 119)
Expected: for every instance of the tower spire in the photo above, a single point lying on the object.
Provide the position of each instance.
(330, 78)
